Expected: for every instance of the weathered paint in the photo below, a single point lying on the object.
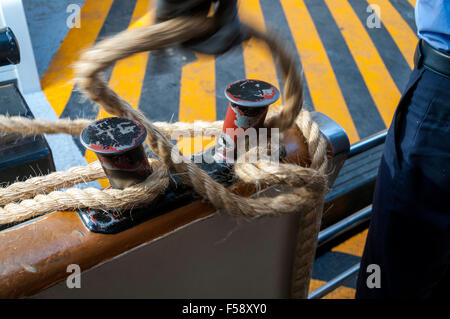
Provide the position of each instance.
(113, 135)
(252, 93)
(118, 144)
(249, 103)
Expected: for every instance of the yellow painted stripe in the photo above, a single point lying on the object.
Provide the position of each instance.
(376, 76)
(400, 31)
(353, 245)
(57, 81)
(198, 88)
(128, 74)
(412, 2)
(340, 293)
(258, 59)
(325, 91)
(197, 99)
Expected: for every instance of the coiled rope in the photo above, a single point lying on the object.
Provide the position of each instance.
(308, 185)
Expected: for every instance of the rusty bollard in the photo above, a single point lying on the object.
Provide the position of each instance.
(249, 101)
(118, 144)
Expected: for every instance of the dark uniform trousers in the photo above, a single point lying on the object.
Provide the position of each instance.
(409, 233)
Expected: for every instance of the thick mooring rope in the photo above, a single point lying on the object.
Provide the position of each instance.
(89, 72)
(307, 185)
(26, 126)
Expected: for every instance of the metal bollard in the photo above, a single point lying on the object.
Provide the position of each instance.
(9, 48)
(118, 144)
(338, 143)
(249, 102)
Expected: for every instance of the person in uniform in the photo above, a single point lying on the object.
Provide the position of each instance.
(409, 233)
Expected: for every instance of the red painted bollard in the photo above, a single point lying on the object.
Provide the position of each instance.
(249, 102)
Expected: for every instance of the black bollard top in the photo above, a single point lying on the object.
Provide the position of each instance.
(252, 93)
(113, 135)
(9, 48)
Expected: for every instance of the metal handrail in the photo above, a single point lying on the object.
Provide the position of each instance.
(331, 233)
(367, 143)
(348, 223)
(334, 283)
(344, 225)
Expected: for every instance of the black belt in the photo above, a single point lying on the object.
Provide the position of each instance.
(432, 59)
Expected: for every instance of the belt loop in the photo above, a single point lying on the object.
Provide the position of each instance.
(418, 56)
